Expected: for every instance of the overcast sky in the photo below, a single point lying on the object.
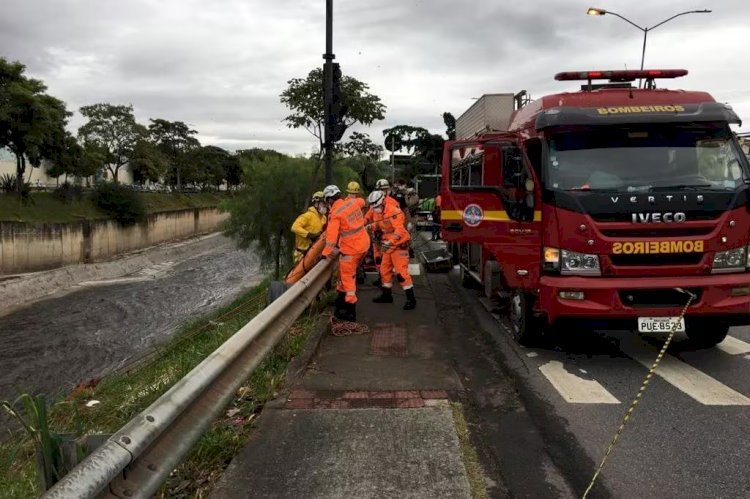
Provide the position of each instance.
(220, 65)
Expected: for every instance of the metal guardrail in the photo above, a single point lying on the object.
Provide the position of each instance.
(136, 460)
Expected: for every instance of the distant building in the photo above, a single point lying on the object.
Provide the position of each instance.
(32, 175)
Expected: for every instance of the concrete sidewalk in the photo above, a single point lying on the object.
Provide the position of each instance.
(370, 417)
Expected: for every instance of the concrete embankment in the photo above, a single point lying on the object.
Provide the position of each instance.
(33, 247)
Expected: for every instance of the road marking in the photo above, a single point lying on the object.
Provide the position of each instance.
(689, 380)
(733, 346)
(532, 354)
(574, 389)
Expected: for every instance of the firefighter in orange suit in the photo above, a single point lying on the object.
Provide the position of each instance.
(345, 234)
(389, 219)
(390, 202)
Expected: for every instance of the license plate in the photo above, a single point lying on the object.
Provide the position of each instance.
(660, 324)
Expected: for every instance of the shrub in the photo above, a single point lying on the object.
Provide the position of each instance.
(68, 192)
(120, 203)
(7, 182)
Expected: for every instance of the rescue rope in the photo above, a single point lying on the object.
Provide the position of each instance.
(346, 328)
(641, 390)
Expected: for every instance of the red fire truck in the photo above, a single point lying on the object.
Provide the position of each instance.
(604, 208)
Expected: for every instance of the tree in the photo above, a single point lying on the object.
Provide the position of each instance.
(250, 159)
(175, 139)
(113, 130)
(233, 170)
(147, 162)
(208, 165)
(75, 160)
(304, 98)
(32, 123)
(262, 211)
(364, 152)
(450, 126)
(427, 148)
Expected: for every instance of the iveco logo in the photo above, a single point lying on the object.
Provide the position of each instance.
(667, 217)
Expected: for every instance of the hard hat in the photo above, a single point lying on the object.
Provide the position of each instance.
(382, 184)
(331, 191)
(318, 196)
(352, 188)
(376, 198)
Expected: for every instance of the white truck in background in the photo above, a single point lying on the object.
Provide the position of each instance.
(490, 113)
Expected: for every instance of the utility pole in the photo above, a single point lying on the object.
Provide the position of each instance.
(393, 162)
(328, 94)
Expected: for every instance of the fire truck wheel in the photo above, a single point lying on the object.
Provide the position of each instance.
(525, 328)
(704, 335)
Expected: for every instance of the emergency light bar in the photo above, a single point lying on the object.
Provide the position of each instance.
(620, 75)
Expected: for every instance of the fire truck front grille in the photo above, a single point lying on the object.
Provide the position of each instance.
(656, 260)
(658, 232)
(650, 298)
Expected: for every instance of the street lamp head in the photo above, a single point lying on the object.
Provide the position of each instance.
(593, 11)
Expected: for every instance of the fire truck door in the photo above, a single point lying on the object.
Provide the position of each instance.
(518, 249)
(491, 201)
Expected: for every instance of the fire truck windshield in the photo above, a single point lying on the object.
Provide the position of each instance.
(637, 158)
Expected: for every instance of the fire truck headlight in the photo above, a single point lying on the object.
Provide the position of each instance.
(551, 259)
(734, 260)
(573, 263)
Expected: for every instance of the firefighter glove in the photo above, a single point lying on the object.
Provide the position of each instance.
(313, 236)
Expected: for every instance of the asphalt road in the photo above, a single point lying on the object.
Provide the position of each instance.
(687, 437)
(53, 344)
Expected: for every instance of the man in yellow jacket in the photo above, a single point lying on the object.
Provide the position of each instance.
(309, 225)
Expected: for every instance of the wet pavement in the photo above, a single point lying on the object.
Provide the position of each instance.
(53, 344)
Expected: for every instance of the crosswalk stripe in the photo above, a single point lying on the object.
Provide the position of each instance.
(734, 346)
(574, 389)
(689, 380)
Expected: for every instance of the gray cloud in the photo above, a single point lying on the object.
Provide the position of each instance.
(220, 66)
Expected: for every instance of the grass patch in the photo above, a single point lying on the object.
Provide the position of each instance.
(123, 395)
(45, 207)
(469, 454)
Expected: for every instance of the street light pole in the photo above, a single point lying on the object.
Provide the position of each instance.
(328, 94)
(593, 11)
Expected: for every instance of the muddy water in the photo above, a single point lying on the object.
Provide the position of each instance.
(53, 344)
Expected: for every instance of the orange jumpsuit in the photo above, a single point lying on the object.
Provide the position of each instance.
(377, 252)
(346, 231)
(391, 222)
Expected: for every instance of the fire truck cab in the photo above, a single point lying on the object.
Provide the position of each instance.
(606, 207)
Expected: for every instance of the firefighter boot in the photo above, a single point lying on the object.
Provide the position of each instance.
(411, 301)
(340, 306)
(386, 296)
(351, 312)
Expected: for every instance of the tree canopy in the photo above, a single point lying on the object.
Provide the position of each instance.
(32, 123)
(304, 98)
(175, 140)
(111, 129)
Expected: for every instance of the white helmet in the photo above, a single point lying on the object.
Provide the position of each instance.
(376, 199)
(382, 184)
(330, 191)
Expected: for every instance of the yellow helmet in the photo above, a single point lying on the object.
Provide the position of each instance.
(352, 188)
(318, 196)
